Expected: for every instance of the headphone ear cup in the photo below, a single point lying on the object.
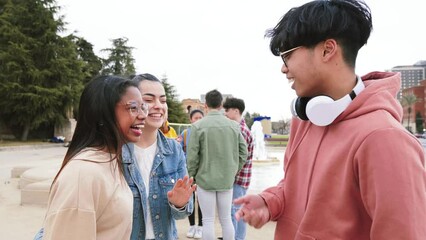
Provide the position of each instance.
(300, 104)
(322, 110)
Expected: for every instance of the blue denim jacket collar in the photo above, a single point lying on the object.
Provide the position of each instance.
(163, 148)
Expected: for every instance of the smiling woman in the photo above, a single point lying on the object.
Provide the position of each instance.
(155, 169)
(90, 169)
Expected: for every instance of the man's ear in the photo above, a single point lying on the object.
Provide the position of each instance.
(329, 49)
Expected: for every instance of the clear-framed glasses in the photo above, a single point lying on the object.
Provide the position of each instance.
(135, 108)
(284, 55)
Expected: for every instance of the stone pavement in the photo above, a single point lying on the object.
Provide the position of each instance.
(23, 221)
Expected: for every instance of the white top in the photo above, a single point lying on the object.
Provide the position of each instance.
(145, 158)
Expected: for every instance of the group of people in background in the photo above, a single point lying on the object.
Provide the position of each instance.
(216, 151)
(351, 170)
(219, 152)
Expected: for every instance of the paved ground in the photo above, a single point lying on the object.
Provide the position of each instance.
(22, 222)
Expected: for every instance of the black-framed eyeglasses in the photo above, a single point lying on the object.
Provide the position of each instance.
(284, 55)
(135, 108)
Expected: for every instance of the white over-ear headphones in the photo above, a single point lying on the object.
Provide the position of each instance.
(323, 110)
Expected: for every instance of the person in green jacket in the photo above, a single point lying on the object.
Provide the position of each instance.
(216, 153)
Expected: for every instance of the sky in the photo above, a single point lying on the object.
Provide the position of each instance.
(202, 45)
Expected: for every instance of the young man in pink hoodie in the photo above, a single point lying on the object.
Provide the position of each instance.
(351, 169)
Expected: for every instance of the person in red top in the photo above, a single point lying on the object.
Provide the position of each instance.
(234, 108)
(352, 171)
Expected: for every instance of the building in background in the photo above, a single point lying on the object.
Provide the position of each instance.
(411, 113)
(413, 81)
(190, 104)
(411, 75)
(266, 125)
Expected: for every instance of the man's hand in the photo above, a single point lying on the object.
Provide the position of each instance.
(253, 211)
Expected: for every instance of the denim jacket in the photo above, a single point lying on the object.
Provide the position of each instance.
(169, 165)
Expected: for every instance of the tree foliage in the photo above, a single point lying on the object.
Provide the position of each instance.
(40, 74)
(407, 101)
(92, 63)
(249, 118)
(419, 123)
(120, 60)
(176, 113)
(282, 126)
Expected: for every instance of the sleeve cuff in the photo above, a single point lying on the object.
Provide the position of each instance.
(182, 209)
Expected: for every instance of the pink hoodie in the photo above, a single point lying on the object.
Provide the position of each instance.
(362, 177)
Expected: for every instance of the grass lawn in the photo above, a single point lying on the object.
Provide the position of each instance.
(280, 136)
(277, 140)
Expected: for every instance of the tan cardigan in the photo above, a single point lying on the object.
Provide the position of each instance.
(89, 200)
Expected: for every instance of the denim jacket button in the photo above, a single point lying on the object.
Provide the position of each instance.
(157, 217)
(160, 235)
(154, 196)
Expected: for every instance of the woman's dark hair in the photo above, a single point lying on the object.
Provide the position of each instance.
(97, 124)
(145, 76)
(349, 22)
(194, 112)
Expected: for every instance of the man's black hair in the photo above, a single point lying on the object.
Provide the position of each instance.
(234, 103)
(214, 99)
(349, 22)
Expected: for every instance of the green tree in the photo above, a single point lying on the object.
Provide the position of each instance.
(249, 118)
(40, 74)
(120, 60)
(419, 122)
(92, 63)
(175, 110)
(283, 126)
(407, 101)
